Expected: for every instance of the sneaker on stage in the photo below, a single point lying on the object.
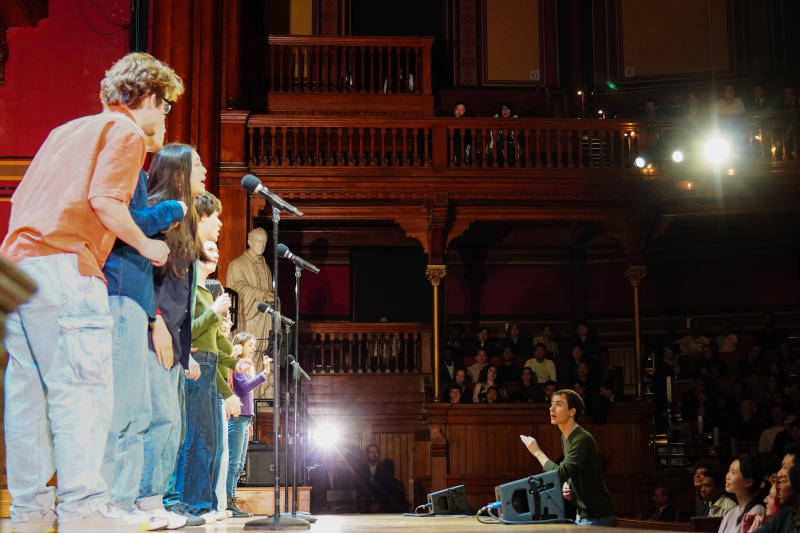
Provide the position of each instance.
(237, 511)
(186, 511)
(47, 523)
(109, 518)
(175, 521)
(156, 522)
(209, 517)
(222, 515)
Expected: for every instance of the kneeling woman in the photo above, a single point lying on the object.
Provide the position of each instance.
(239, 426)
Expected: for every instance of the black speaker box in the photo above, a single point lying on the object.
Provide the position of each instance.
(260, 465)
(532, 499)
(451, 501)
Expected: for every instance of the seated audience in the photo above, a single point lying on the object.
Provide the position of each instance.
(568, 369)
(740, 393)
(743, 480)
(748, 426)
(506, 111)
(521, 346)
(587, 340)
(461, 383)
(481, 344)
(723, 417)
(509, 371)
(661, 510)
(753, 364)
(330, 475)
(456, 340)
(545, 369)
(785, 520)
(713, 491)
(448, 368)
(505, 142)
(772, 505)
(375, 483)
(789, 99)
(454, 394)
(489, 377)
(481, 360)
(651, 110)
(670, 364)
(545, 337)
(693, 107)
(729, 104)
(599, 404)
(695, 403)
(700, 468)
(758, 103)
(787, 359)
(767, 399)
(587, 379)
(778, 415)
(726, 341)
(710, 360)
(770, 338)
(530, 390)
(492, 395)
(693, 342)
(550, 388)
(461, 111)
(776, 370)
(786, 437)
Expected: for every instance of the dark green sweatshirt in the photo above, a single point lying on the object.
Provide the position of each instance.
(581, 468)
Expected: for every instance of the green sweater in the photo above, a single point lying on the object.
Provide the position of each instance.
(206, 335)
(581, 467)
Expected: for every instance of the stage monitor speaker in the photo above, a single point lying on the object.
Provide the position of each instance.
(451, 501)
(533, 499)
(260, 467)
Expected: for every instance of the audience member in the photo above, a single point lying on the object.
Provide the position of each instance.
(509, 371)
(789, 100)
(748, 426)
(788, 477)
(700, 468)
(740, 393)
(481, 360)
(786, 437)
(723, 417)
(778, 415)
(776, 370)
(651, 111)
(492, 395)
(461, 111)
(489, 377)
(770, 338)
(568, 370)
(729, 104)
(606, 390)
(693, 106)
(670, 364)
(709, 360)
(587, 340)
(726, 341)
(456, 340)
(753, 364)
(758, 103)
(530, 390)
(375, 483)
(481, 344)
(505, 142)
(520, 345)
(695, 403)
(448, 368)
(600, 402)
(461, 383)
(693, 342)
(328, 476)
(787, 359)
(772, 506)
(661, 510)
(767, 399)
(545, 369)
(550, 388)
(713, 492)
(545, 337)
(454, 394)
(587, 378)
(743, 480)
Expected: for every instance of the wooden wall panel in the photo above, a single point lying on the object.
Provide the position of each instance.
(512, 40)
(399, 447)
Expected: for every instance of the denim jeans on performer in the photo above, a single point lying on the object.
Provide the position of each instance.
(195, 474)
(59, 391)
(162, 441)
(124, 455)
(238, 436)
(173, 493)
(221, 464)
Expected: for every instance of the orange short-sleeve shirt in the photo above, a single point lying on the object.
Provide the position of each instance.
(95, 156)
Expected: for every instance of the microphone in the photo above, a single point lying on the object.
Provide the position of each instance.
(283, 251)
(265, 308)
(253, 185)
(297, 367)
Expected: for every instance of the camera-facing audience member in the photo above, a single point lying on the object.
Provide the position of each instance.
(778, 415)
(454, 394)
(709, 360)
(693, 342)
(456, 340)
(758, 103)
(462, 383)
(329, 475)
(568, 369)
(449, 367)
(700, 469)
(489, 377)
(529, 391)
(492, 395)
(550, 388)
(375, 483)
(545, 337)
(729, 104)
(651, 110)
(693, 107)
(770, 338)
(544, 368)
(753, 364)
(509, 371)
(739, 393)
(743, 480)
(748, 427)
(587, 340)
(587, 378)
(786, 437)
(474, 370)
(789, 101)
(520, 345)
(481, 344)
(726, 340)
(697, 401)
(661, 510)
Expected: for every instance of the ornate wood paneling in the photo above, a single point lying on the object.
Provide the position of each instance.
(466, 14)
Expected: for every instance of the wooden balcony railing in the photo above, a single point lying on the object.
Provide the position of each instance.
(345, 347)
(450, 143)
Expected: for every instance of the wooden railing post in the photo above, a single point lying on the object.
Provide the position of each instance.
(434, 274)
(634, 274)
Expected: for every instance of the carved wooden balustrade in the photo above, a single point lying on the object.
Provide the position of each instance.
(346, 347)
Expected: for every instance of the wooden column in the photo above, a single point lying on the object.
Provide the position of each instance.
(435, 273)
(634, 274)
(578, 267)
(233, 56)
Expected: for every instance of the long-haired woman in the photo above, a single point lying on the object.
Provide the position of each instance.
(744, 479)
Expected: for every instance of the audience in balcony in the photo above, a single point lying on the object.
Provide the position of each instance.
(544, 368)
(461, 383)
(693, 342)
(729, 104)
(744, 479)
(700, 468)
(455, 394)
(651, 110)
(492, 395)
(753, 365)
(509, 372)
(481, 360)
(670, 365)
(787, 359)
(740, 393)
(587, 340)
(588, 379)
(767, 399)
(461, 111)
(456, 340)
(770, 338)
(694, 107)
(789, 99)
(696, 402)
(786, 437)
(521, 346)
(759, 103)
(661, 510)
(748, 425)
(726, 341)
(489, 377)
(709, 360)
(481, 344)
(529, 391)
(712, 491)
(505, 141)
(449, 367)
(775, 369)
(767, 439)
(545, 337)
(550, 388)
(723, 417)
(568, 369)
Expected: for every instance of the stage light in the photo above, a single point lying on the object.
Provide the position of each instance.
(677, 156)
(640, 162)
(580, 93)
(326, 435)
(717, 150)
(611, 85)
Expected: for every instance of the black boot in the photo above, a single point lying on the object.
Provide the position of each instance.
(236, 510)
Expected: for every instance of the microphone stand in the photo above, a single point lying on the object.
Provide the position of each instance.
(276, 522)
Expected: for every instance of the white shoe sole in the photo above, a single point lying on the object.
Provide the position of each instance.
(34, 527)
(103, 527)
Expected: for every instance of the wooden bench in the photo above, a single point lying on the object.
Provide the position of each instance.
(698, 524)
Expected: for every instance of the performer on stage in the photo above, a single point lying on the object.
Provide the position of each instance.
(580, 470)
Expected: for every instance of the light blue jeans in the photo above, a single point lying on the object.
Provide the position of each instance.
(124, 456)
(221, 465)
(59, 391)
(608, 521)
(238, 437)
(173, 495)
(164, 436)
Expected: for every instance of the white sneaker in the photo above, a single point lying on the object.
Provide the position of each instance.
(222, 515)
(156, 522)
(176, 521)
(228, 513)
(48, 523)
(210, 517)
(108, 518)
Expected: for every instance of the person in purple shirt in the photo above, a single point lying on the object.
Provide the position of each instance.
(239, 426)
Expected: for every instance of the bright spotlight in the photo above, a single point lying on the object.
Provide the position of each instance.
(639, 162)
(677, 156)
(326, 435)
(717, 150)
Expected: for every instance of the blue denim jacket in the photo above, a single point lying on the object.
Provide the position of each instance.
(127, 271)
